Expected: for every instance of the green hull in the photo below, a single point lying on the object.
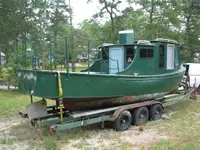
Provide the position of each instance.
(83, 85)
(141, 70)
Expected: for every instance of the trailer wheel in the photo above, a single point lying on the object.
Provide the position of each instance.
(140, 116)
(123, 121)
(156, 112)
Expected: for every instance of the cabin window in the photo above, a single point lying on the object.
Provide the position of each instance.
(161, 56)
(146, 53)
(176, 58)
(129, 55)
(170, 56)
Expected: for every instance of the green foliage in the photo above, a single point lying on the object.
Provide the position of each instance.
(46, 28)
(9, 75)
(0, 72)
(50, 143)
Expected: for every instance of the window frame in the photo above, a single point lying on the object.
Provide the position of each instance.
(133, 53)
(161, 56)
(147, 49)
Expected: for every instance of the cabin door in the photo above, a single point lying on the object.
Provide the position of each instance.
(170, 56)
(116, 54)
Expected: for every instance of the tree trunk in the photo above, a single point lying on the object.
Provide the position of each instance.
(6, 52)
(43, 55)
(0, 56)
(113, 25)
(152, 10)
(38, 63)
(8, 85)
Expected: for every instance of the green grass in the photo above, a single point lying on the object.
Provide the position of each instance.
(183, 128)
(12, 102)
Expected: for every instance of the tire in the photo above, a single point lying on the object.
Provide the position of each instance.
(140, 116)
(156, 112)
(123, 121)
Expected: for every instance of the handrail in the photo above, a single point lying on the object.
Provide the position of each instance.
(96, 59)
(23, 56)
(51, 57)
(100, 58)
(110, 58)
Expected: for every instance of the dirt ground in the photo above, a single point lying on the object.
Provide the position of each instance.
(91, 137)
(17, 134)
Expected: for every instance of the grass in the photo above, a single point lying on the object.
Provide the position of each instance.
(182, 128)
(11, 102)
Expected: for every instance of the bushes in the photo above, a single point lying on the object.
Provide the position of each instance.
(8, 75)
(0, 73)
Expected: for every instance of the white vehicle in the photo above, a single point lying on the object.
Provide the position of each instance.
(193, 71)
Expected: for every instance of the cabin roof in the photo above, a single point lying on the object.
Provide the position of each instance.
(165, 41)
(148, 43)
(133, 44)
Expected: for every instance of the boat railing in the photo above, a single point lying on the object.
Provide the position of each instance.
(90, 42)
(103, 47)
(100, 50)
(24, 55)
(28, 56)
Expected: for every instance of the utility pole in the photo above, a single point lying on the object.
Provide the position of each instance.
(72, 38)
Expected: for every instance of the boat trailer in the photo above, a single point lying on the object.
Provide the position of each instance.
(41, 115)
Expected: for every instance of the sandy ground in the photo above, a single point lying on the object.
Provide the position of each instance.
(5, 133)
(134, 138)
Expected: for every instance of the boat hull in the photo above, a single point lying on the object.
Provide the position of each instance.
(77, 86)
(99, 103)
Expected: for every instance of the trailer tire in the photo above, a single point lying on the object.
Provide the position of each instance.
(140, 116)
(156, 112)
(123, 121)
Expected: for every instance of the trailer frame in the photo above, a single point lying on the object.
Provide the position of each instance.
(84, 118)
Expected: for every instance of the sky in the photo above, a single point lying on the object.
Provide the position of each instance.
(82, 10)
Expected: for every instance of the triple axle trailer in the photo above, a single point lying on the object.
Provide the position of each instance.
(123, 116)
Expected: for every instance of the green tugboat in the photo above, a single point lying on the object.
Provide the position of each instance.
(123, 73)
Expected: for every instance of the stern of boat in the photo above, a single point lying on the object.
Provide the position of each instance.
(38, 83)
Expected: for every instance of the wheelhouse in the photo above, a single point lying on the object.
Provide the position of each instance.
(140, 57)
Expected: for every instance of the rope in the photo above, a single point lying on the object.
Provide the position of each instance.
(60, 94)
